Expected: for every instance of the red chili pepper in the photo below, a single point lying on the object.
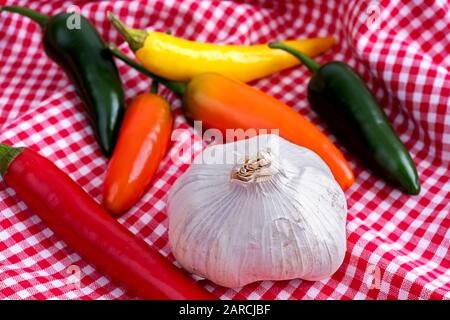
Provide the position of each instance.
(143, 140)
(86, 227)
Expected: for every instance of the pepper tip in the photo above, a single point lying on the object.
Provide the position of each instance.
(414, 189)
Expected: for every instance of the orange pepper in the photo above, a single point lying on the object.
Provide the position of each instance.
(223, 103)
(142, 144)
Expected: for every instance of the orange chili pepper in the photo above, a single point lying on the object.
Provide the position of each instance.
(223, 103)
(142, 144)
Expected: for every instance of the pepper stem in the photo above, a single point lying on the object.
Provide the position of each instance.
(40, 18)
(7, 155)
(177, 87)
(307, 61)
(134, 37)
(154, 87)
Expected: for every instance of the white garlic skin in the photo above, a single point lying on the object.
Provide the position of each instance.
(290, 225)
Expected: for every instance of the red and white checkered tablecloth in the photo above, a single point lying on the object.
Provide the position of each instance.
(398, 245)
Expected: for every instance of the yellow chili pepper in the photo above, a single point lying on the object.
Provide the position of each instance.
(180, 60)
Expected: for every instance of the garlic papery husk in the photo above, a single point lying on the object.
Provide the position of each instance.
(257, 209)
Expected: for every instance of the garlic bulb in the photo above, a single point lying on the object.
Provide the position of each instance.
(257, 209)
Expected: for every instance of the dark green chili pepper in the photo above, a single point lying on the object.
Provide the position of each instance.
(349, 109)
(80, 51)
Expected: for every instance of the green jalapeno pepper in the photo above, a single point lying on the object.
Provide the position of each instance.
(350, 110)
(80, 51)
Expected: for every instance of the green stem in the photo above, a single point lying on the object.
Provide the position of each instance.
(154, 87)
(40, 18)
(307, 61)
(177, 87)
(7, 155)
(134, 37)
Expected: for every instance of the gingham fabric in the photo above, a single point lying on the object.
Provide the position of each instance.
(398, 245)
